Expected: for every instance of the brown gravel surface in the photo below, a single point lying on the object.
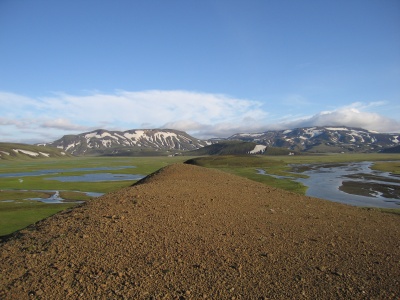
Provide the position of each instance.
(188, 232)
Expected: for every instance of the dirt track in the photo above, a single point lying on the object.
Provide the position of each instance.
(193, 233)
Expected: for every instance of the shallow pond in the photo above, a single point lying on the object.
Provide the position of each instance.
(353, 183)
(97, 177)
(86, 177)
(57, 171)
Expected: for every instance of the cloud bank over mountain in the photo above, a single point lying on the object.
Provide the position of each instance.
(204, 115)
(349, 116)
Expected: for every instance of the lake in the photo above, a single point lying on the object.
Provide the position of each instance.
(352, 183)
(97, 177)
(57, 171)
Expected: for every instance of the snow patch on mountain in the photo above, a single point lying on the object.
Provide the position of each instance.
(258, 149)
(337, 128)
(26, 152)
(134, 136)
(72, 145)
(98, 136)
(250, 134)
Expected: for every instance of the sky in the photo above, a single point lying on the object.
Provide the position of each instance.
(211, 68)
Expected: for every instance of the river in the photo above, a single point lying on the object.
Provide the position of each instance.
(351, 183)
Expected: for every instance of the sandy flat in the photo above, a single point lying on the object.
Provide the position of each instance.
(188, 232)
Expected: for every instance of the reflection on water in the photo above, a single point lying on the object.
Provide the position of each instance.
(56, 171)
(354, 183)
(56, 198)
(96, 177)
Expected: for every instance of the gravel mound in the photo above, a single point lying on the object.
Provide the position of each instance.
(188, 232)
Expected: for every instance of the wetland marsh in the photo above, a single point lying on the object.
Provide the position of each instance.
(352, 183)
(188, 232)
(366, 180)
(26, 184)
(31, 190)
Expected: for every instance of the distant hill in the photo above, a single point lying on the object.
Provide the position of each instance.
(395, 149)
(130, 142)
(323, 139)
(24, 151)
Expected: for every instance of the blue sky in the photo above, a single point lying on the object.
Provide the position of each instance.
(211, 68)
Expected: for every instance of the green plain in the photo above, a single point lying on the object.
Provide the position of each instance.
(17, 215)
(21, 213)
(282, 165)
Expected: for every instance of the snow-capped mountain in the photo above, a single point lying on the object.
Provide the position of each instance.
(164, 141)
(323, 139)
(127, 142)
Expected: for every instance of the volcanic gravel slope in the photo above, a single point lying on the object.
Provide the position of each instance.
(188, 232)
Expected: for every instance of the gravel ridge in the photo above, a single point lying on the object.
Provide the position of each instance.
(188, 232)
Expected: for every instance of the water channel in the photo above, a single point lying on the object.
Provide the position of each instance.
(97, 177)
(352, 183)
(57, 171)
(55, 197)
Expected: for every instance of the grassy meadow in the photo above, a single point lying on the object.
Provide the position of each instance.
(20, 213)
(280, 165)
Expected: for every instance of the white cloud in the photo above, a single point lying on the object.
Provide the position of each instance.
(220, 129)
(154, 107)
(10, 122)
(203, 115)
(189, 111)
(348, 116)
(185, 125)
(351, 115)
(63, 124)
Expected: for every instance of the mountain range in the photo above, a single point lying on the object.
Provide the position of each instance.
(323, 139)
(168, 141)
